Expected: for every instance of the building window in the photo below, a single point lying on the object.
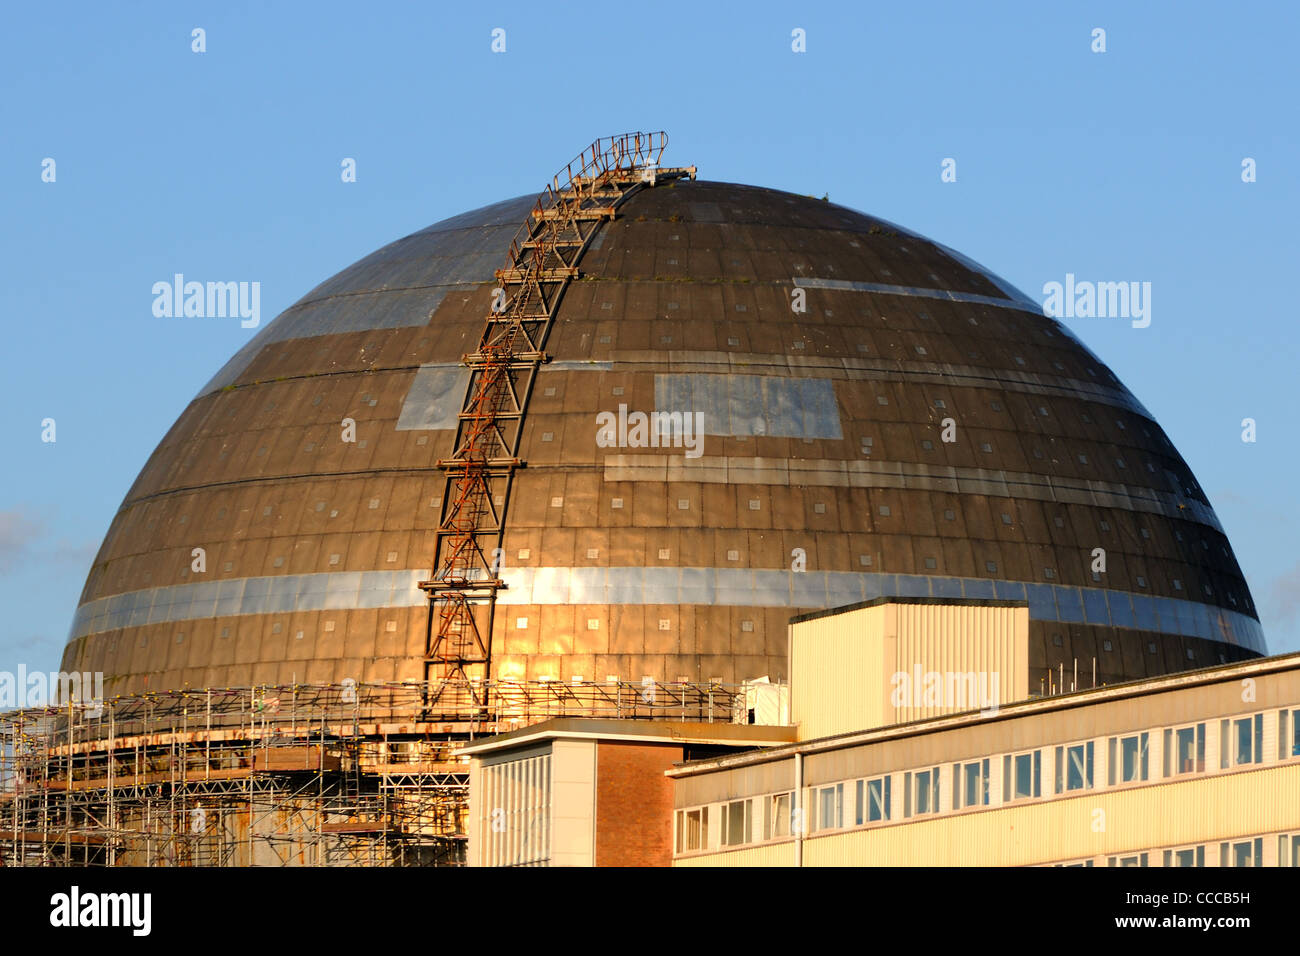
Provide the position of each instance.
(872, 801)
(692, 830)
(1187, 856)
(1288, 849)
(776, 823)
(830, 807)
(921, 792)
(1074, 767)
(1288, 735)
(736, 823)
(1185, 750)
(1242, 853)
(1137, 859)
(1128, 761)
(970, 784)
(1241, 741)
(1022, 776)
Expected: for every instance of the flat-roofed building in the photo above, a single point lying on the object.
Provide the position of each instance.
(588, 792)
(1197, 769)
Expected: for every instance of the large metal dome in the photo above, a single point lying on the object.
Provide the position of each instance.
(823, 432)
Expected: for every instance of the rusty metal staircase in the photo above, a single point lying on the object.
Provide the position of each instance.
(544, 256)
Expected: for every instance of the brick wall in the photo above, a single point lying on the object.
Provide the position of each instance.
(634, 804)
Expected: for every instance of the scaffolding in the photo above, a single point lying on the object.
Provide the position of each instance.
(322, 775)
(543, 259)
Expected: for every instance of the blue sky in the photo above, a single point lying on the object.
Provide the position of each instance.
(1123, 165)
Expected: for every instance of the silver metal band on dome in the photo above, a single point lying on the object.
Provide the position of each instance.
(719, 587)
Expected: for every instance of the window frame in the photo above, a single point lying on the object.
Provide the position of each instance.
(1172, 748)
(1011, 774)
(862, 800)
(961, 780)
(1230, 740)
(911, 790)
(1062, 755)
(1115, 755)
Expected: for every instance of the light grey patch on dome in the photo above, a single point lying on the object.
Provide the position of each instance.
(398, 286)
(706, 212)
(948, 295)
(753, 405)
(576, 365)
(435, 398)
(744, 409)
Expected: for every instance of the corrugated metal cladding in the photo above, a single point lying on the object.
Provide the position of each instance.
(514, 824)
(1165, 812)
(824, 439)
(906, 749)
(1168, 815)
(894, 663)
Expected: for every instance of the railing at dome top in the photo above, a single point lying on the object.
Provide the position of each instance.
(634, 154)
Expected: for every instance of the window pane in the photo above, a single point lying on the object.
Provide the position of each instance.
(922, 797)
(1128, 759)
(1027, 772)
(1076, 776)
(735, 834)
(1243, 741)
(876, 801)
(781, 815)
(826, 812)
(693, 830)
(859, 804)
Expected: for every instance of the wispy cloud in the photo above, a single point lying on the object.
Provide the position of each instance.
(19, 535)
(1284, 596)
